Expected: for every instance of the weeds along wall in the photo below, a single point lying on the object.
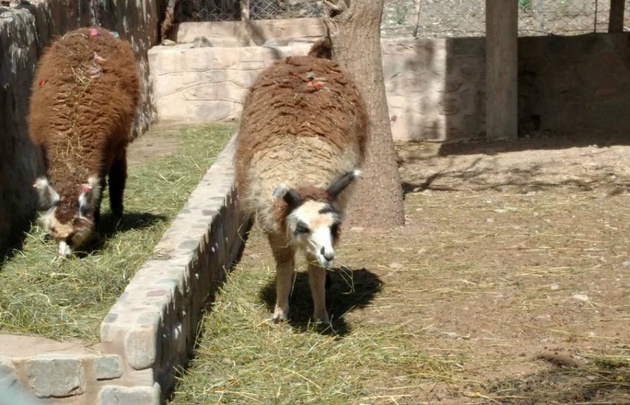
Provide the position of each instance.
(25, 31)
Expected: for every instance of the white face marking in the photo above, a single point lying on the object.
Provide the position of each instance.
(88, 198)
(316, 239)
(68, 236)
(47, 195)
(64, 249)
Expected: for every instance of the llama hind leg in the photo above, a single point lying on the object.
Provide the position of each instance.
(285, 266)
(317, 277)
(117, 180)
(97, 207)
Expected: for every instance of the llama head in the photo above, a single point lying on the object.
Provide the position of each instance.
(70, 216)
(312, 219)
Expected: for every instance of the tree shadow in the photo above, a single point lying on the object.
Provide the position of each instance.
(462, 174)
(601, 381)
(483, 171)
(538, 142)
(346, 290)
(110, 225)
(521, 181)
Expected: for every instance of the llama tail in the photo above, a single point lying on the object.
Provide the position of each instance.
(321, 49)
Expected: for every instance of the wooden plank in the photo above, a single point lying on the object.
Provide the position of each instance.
(615, 20)
(501, 69)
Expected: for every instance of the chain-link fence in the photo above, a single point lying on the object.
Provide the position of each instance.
(273, 9)
(457, 18)
(428, 18)
(563, 17)
(231, 10)
(433, 18)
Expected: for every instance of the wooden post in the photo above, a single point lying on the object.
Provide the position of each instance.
(244, 10)
(501, 69)
(615, 19)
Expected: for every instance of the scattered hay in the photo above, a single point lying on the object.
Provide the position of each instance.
(243, 357)
(454, 308)
(40, 294)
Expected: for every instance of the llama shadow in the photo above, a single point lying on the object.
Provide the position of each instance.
(348, 289)
(109, 225)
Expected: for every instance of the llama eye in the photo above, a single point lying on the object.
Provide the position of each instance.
(301, 228)
(334, 229)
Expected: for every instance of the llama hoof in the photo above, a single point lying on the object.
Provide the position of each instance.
(117, 212)
(322, 319)
(280, 315)
(278, 319)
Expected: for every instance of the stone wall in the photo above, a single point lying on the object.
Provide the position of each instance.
(251, 32)
(153, 325)
(567, 85)
(25, 31)
(208, 84)
(575, 85)
(435, 87)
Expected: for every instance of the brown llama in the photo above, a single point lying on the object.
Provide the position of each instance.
(82, 107)
(301, 141)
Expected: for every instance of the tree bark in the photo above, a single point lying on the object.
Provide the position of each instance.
(354, 31)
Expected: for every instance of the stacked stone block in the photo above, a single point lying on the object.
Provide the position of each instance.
(208, 84)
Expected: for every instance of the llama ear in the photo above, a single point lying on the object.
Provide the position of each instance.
(289, 195)
(46, 194)
(341, 183)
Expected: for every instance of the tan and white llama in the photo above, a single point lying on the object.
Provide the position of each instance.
(301, 143)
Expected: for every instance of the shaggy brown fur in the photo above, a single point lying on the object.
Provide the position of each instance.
(301, 98)
(82, 107)
(321, 49)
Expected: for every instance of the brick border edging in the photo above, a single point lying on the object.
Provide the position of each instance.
(153, 325)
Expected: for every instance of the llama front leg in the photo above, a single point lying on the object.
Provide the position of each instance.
(117, 180)
(317, 281)
(285, 267)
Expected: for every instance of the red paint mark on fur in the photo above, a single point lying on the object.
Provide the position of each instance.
(86, 188)
(41, 82)
(94, 32)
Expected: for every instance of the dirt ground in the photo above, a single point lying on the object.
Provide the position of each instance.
(515, 264)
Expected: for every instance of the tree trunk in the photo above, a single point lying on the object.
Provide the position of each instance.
(355, 34)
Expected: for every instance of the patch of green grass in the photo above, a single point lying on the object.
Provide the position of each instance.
(41, 294)
(244, 358)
